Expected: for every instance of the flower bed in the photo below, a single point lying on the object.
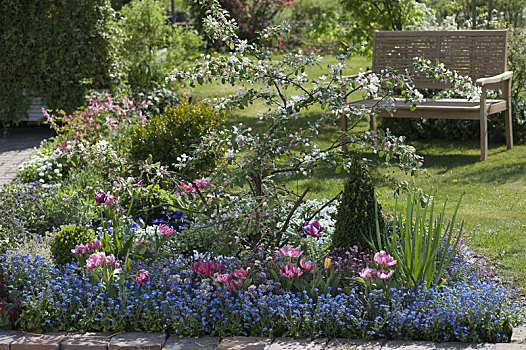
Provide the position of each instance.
(180, 302)
(204, 236)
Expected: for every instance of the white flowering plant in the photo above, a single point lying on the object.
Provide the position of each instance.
(45, 165)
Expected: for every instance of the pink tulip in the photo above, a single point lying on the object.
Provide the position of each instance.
(382, 258)
(241, 273)
(223, 278)
(306, 264)
(367, 273)
(291, 252)
(290, 270)
(142, 277)
(203, 268)
(384, 275)
(110, 260)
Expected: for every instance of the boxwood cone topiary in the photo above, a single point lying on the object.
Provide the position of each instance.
(66, 239)
(356, 218)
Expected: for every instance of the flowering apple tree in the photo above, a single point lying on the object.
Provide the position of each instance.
(246, 198)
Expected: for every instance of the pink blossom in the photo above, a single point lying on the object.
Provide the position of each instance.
(241, 273)
(383, 275)
(313, 228)
(306, 264)
(110, 260)
(110, 199)
(95, 260)
(291, 252)
(95, 244)
(367, 273)
(382, 258)
(290, 270)
(142, 277)
(167, 230)
(222, 278)
(79, 249)
(201, 183)
(203, 268)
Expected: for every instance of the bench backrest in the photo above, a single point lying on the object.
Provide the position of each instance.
(475, 53)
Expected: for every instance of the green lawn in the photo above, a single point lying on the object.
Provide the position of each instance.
(495, 190)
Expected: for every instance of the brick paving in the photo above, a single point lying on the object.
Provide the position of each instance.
(16, 340)
(16, 146)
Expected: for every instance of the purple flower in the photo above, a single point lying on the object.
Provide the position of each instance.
(100, 197)
(136, 181)
(313, 228)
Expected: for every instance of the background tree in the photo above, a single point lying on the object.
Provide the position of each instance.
(370, 15)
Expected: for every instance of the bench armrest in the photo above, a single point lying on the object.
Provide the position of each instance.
(354, 76)
(495, 79)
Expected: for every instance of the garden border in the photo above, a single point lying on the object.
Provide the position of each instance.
(17, 340)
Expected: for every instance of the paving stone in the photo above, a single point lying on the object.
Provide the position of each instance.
(510, 346)
(244, 343)
(86, 341)
(203, 343)
(137, 341)
(408, 345)
(7, 337)
(465, 346)
(290, 343)
(518, 335)
(33, 341)
(354, 344)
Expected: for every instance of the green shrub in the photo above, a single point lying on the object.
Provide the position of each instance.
(151, 46)
(48, 47)
(66, 239)
(72, 203)
(356, 217)
(178, 130)
(150, 202)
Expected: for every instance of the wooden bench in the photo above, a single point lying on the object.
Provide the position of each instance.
(479, 54)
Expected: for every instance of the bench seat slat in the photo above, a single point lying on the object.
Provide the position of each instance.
(439, 108)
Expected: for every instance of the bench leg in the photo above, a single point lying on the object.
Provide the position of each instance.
(372, 123)
(483, 134)
(508, 115)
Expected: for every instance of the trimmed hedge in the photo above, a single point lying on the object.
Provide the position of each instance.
(47, 48)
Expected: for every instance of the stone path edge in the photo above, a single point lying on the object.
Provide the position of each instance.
(17, 340)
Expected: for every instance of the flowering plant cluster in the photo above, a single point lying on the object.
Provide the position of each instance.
(171, 298)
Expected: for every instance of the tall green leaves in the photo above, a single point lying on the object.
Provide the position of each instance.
(423, 243)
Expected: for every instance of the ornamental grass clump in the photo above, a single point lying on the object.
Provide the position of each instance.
(423, 244)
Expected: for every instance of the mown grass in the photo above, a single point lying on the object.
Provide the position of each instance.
(494, 190)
